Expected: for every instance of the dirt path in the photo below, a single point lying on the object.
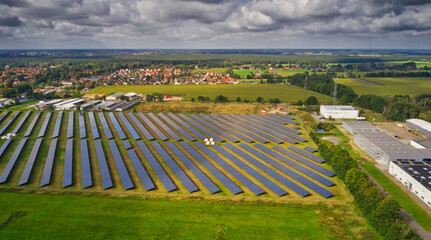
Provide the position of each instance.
(365, 82)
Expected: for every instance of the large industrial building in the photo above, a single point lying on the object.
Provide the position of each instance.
(339, 111)
(420, 125)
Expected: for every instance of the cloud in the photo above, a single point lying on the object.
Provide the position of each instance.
(10, 22)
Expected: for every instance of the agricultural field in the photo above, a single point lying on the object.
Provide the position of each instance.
(206, 70)
(388, 86)
(287, 73)
(286, 93)
(418, 63)
(243, 73)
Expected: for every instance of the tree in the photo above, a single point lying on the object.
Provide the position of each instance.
(24, 88)
(274, 100)
(311, 100)
(238, 99)
(246, 101)
(193, 99)
(299, 102)
(259, 99)
(343, 100)
(221, 99)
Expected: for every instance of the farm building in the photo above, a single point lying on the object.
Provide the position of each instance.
(115, 96)
(339, 111)
(415, 176)
(420, 125)
(104, 105)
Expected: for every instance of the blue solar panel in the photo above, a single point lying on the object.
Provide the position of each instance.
(193, 168)
(142, 173)
(308, 163)
(82, 131)
(186, 126)
(164, 127)
(117, 126)
(214, 128)
(178, 128)
(93, 125)
(30, 162)
(85, 163)
(307, 154)
(286, 116)
(284, 120)
(227, 129)
(68, 164)
(4, 176)
(103, 165)
(244, 166)
(129, 126)
(56, 131)
(202, 128)
(229, 184)
(153, 127)
(161, 173)
(310, 149)
(46, 177)
(182, 176)
(272, 123)
(141, 127)
(32, 124)
(274, 174)
(18, 127)
(44, 125)
(231, 170)
(4, 146)
(122, 170)
(70, 125)
(7, 124)
(127, 144)
(4, 115)
(106, 129)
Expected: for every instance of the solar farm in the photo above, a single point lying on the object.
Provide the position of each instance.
(162, 153)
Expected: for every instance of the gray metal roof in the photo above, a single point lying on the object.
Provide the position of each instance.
(419, 171)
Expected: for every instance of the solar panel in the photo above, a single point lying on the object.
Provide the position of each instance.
(105, 126)
(186, 126)
(85, 163)
(231, 170)
(46, 177)
(18, 127)
(182, 176)
(93, 125)
(244, 166)
(239, 129)
(70, 125)
(310, 149)
(68, 164)
(164, 127)
(273, 123)
(176, 127)
(129, 126)
(122, 170)
(141, 127)
(284, 119)
(193, 168)
(214, 128)
(82, 131)
(307, 154)
(142, 173)
(30, 162)
(127, 144)
(308, 163)
(4, 146)
(153, 127)
(286, 116)
(8, 123)
(44, 125)
(56, 131)
(158, 169)
(282, 122)
(4, 115)
(4, 176)
(226, 129)
(103, 165)
(32, 124)
(274, 174)
(117, 126)
(202, 128)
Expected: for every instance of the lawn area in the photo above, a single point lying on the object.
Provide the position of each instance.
(245, 72)
(286, 93)
(22, 105)
(389, 86)
(205, 70)
(418, 63)
(286, 73)
(34, 216)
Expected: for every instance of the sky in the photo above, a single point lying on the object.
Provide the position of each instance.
(215, 24)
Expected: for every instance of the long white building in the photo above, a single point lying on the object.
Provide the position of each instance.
(339, 111)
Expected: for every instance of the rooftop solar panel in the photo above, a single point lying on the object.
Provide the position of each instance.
(56, 131)
(8, 123)
(142, 173)
(214, 128)
(30, 162)
(273, 123)
(127, 144)
(141, 127)
(129, 126)
(226, 129)
(82, 131)
(164, 127)
(4, 146)
(117, 126)
(93, 125)
(44, 125)
(68, 164)
(187, 126)
(153, 127)
(70, 125)
(307, 154)
(231, 170)
(5, 175)
(122, 170)
(310, 149)
(202, 128)
(193, 168)
(105, 126)
(103, 165)
(4, 115)
(18, 127)
(46, 177)
(182, 176)
(85, 163)
(161, 173)
(176, 127)
(229, 184)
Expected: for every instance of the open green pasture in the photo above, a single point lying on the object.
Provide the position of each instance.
(418, 63)
(206, 70)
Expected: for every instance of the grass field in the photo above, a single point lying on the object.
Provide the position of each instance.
(286, 93)
(243, 73)
(389, 86)
(206, 70)
(418, 63)
(286, 73)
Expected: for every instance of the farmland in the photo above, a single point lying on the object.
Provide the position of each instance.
(243, 73)
(418, 63)
(286, 93)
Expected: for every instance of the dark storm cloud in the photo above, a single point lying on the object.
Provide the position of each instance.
(10, 22)
(13, 3)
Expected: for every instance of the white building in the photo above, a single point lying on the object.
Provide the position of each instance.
(339, 111)
(420, 125)
(415, 176)
(115, 96)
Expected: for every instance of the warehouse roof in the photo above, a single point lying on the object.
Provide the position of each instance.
(337, 107)
(419, 171)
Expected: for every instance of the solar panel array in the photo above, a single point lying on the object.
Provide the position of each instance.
(30, 162)
(4, 146)
(279, 118)
(8, 123)
(227, 129)
(44, 125)
(215, 129)
(4, 115)
(105, 126)
(82, 131)
(273, 123)
(142, 173)
(103, 165)
(141, 127)
(93, 125)
(153, 127)
(56, 131)
(21, 122)
(127, 144)
(117, 126)
(176, 127)
(129, 126)
(32, 124)
(121, 167)
(187, 126)
(274, 119)
(202, 128)
(68, 164)
(164, 127)
(85, 163)
(310, 149)
(6, 172)
(47, 171)
(307, 154)
(70, 125)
